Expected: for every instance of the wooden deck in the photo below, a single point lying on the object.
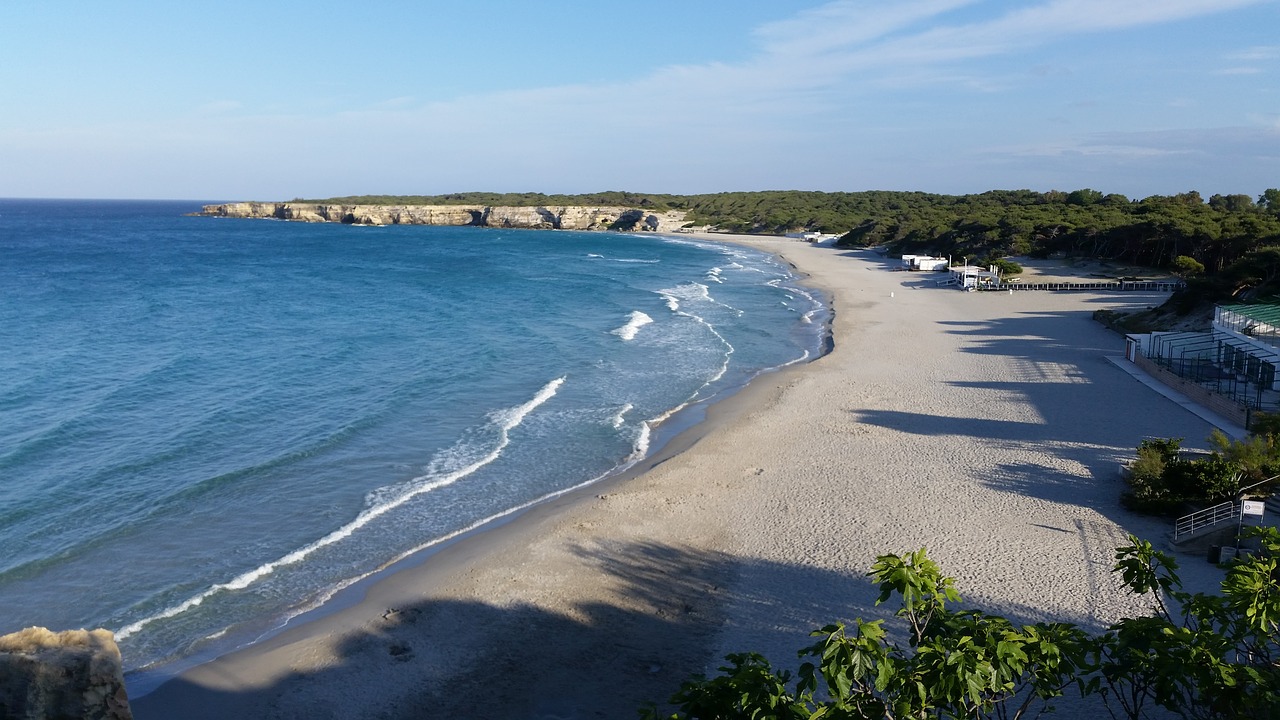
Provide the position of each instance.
(1150, 286)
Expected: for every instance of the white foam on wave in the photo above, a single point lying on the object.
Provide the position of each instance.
(685, 291)
(636, 321)
(692, 292)
(641, 446)
(380, 503)
(814, 309)
(594, 255)
(637, 260)
(621, 417)
(640, 449)
(713, 275)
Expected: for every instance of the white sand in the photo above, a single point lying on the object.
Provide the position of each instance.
(986, 427)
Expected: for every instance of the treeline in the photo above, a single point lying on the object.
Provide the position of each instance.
(774, 211)
(1224, 247)
(1223, 244)
(1152, 232)
(621, 198)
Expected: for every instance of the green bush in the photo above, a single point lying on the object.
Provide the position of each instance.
(1209, 480)
(1258, 455)
(1005, 266)
(1187, 266)
(1161, 483)
(1147, 491)
(1197, 656)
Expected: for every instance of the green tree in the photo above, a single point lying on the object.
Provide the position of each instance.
(1199, 656)
(1161, 482)
(1231, 203)
(1085, 196)
(1187, 266)
(1005, 266)
(956, 664)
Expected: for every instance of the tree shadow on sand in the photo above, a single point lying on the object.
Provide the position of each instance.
(1077, 410)
(604, 659)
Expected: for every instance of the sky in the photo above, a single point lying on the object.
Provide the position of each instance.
(273, 100)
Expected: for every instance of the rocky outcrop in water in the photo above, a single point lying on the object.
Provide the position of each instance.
(73, 675)
(551, 218)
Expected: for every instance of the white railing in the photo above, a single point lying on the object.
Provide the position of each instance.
(1207, 518)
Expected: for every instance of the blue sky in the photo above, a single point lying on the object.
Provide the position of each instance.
(275, 100)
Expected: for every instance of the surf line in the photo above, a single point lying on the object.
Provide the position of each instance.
(635, 321)
(506, 420)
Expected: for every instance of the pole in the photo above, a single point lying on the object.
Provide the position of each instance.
(1240, 517)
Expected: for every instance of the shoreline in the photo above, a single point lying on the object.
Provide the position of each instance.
(680, 429)
(754, 526)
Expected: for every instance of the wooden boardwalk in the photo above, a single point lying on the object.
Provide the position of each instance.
(1145, 285)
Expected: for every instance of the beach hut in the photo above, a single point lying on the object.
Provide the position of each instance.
(972, 277)
(924, 262)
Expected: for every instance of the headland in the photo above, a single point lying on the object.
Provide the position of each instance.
(532, 217)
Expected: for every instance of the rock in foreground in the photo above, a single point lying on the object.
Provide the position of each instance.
(70, 675)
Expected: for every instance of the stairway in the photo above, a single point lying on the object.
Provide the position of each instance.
(1210, 520)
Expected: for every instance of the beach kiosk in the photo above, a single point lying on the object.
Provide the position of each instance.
(972, 277)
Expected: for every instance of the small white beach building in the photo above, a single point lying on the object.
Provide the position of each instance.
(924, 262)
(972, 277)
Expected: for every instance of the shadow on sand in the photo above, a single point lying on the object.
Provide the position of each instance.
(472, 659)
(1083, 410)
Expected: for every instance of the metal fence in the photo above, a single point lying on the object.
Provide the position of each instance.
(1218, 362)
(1203, 519)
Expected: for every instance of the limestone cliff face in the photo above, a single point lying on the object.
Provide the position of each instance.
(74, 675)
(555, 218)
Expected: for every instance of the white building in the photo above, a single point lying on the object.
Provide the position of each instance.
(924, 262)
(972, 277)
(1237, 358)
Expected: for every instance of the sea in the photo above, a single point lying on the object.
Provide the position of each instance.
(210, 426)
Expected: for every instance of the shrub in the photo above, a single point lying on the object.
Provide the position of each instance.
(1187, 266)
(1006, 267)
(1162, 483)
(1257, 455)
(1212, 479)
(1198, 656)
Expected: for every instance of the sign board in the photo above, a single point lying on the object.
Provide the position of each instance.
(1252, 507)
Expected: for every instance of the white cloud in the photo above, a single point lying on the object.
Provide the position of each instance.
(1120, 146)
(838, 25)
(1254, 54)
(801, 109)
(1029, 26)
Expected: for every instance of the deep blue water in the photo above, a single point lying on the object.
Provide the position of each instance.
(210, 425)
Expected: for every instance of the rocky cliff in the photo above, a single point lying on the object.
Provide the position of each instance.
(73, 675)
(556, 218)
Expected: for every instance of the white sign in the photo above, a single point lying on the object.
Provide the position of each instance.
(1251, 507)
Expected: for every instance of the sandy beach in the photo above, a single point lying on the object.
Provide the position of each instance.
(986, 427)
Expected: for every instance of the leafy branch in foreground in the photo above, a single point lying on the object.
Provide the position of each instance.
(1199, 656)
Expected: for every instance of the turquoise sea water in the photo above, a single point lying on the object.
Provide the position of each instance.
(208, 426)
